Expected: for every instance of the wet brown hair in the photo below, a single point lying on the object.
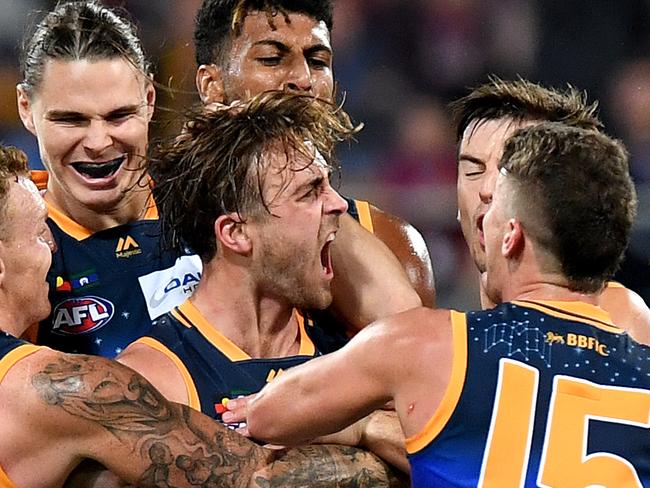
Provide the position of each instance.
(523, 100)
(218, 165)
(78, 30)
(574, 197)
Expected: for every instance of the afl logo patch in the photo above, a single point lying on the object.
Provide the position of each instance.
(82, 315)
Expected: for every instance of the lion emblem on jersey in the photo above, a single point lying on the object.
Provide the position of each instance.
(553, 338)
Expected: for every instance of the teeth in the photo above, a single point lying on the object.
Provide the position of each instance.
(331, 237)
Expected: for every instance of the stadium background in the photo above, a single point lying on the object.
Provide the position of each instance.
(398, 63)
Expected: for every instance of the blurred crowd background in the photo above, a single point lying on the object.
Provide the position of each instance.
(398, 64)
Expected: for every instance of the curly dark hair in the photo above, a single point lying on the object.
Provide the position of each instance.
(218, 20)
(574, 197)
(524, 100)
(218, 165)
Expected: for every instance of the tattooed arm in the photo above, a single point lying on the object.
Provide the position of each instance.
(61, 409)
(326, 466)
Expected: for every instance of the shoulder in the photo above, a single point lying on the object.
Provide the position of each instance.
(409, 246)
(159, 365)
(413, 333)
(628, 311)
(48, 379)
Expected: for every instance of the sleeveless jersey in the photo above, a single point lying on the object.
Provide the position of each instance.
(214, 369)
(12, 350)
(541, 393)
(107, 286)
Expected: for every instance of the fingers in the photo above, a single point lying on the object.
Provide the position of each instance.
(237, 410)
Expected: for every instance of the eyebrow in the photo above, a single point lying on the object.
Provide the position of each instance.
(313, 183)
(317, 48)
(62, 114)
(285, 49)
(276, 44)
(471, 159)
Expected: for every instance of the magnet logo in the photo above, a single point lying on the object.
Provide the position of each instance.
(82, 315)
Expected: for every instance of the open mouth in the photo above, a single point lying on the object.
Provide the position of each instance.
(99, 170)
(326, 257)
(479, 226)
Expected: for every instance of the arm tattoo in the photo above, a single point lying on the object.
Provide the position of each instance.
(326, 466)
(171, 443)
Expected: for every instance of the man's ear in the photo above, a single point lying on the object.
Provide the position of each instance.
(150, 98)
(25, 108)
(209, 84)
(3, 269)
(513, 240)
(231, 233)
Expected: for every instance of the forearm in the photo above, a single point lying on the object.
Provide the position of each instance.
(326, 466)
(383, 436)
(380, 433)
(369, 281)
(114, 416)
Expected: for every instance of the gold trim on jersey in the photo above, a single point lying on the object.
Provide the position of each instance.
(39, 177)
(454, 389)
(614, 284)
(307, 347)
(5, 482)
(190, 316)
(576, 311)
(365, 219)
(16, 355)
(69, 226)
(66, 224)
(6, 363)
(190, 388)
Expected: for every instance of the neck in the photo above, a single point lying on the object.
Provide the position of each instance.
(258, 323)
(131, 207)
(14, 321)
(548, 287)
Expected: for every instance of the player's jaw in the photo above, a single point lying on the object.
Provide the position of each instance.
(477, 246)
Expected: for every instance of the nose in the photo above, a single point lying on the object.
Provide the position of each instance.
(487, 186)
(335, 203)
(97, 137)
(299, 77)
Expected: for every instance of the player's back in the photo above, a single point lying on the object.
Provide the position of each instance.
(554, 395)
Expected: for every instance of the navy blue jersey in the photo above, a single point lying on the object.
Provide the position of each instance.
(12, 350)
(215, 369)
(106, 287)
(541, 394)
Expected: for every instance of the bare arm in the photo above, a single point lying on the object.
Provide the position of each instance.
(369, 281)
(87, 407)
(157, 369)
(411, 250)
(407, 357)
(380, 433)
(341, 387)
(313, 466)
(628, 311)
(326, 466)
